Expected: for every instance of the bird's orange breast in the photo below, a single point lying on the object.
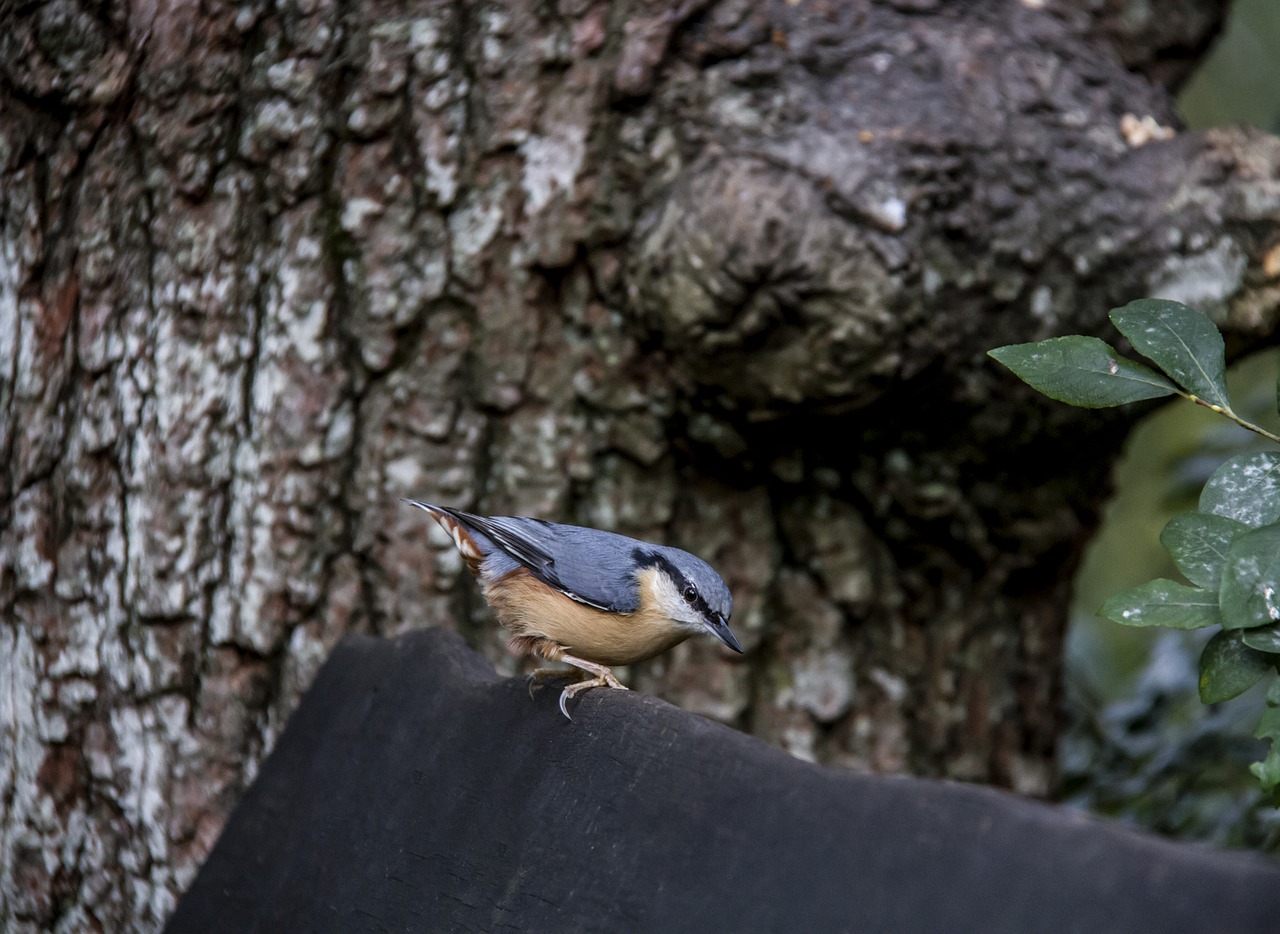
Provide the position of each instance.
(527, 607)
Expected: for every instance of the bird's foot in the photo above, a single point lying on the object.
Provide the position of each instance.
(573, 690)
(604, 678)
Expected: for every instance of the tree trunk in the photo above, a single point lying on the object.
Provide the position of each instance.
(718, 274)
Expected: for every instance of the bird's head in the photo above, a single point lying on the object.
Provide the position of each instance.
(690, 592)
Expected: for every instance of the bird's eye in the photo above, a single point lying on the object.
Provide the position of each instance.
(690, 594)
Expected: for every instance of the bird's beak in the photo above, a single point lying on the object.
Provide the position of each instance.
(719, 628)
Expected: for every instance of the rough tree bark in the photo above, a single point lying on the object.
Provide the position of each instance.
(715, 273)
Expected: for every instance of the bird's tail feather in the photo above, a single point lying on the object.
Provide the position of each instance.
(462, 538)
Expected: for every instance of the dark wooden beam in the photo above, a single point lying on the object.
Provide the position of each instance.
(414, 789)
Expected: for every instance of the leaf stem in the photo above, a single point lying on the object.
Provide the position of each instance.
(1231, 415)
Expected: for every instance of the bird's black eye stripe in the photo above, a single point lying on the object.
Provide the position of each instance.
(649, 559)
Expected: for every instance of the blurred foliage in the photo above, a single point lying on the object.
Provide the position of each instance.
(1139, 746)
(1240, 80)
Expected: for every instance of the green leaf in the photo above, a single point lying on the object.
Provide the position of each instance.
(1163, 603)
(1183, 343)
(1228, 668)
(1268, 770)
(1082, 371)
(1264, 639)
(1246, 488)
(1198, 544)
(1250, 591)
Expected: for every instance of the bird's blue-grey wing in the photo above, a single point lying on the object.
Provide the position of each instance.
(593, 567)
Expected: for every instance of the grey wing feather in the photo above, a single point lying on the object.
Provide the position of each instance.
(518, 545)
(592, 567)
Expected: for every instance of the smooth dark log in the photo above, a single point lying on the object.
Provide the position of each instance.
(416, 790)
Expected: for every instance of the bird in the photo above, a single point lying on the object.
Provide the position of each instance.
(586, 597)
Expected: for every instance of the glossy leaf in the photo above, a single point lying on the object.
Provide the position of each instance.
(1182, 342)
(1199, 543)
(1228, 667)
(1250, 590)
(1163, 603)
(1264, 639)
(1082, 371)
(1246, 488)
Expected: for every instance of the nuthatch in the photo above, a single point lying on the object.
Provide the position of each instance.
(589, 598)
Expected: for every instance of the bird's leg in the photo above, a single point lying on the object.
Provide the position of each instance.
(543, 648)
(554, 652)
(603, 678)
(602, 672)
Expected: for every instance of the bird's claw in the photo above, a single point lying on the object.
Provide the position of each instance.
(606, 680)
(535, 678)
(603, 678)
